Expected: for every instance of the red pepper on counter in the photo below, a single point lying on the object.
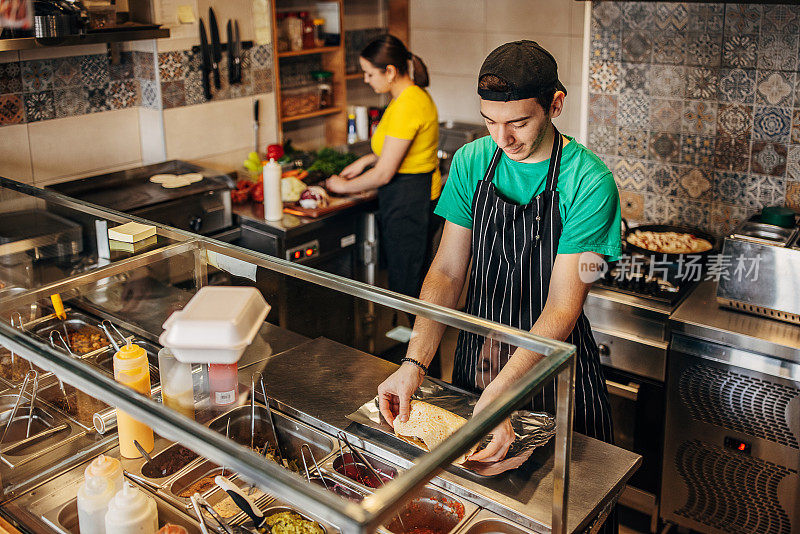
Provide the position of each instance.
(274, 152)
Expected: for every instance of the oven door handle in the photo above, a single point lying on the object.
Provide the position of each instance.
(629, 391)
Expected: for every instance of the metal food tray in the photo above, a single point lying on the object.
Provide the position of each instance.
(486, 522)
(331, 467)
(277, 507)
(49, 430)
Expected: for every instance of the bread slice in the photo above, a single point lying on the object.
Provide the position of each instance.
(428, 426)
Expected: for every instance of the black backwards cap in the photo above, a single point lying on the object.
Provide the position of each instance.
(525, 67)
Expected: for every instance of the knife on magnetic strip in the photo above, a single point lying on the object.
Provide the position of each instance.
(206, 53)
(231, 46)
(237, 45)
(216, 46)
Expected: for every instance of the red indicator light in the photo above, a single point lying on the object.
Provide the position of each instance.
(742, 446)
(297, 255)
(309, 251)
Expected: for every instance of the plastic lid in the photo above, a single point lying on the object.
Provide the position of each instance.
(779, 216)
(319, 21)
(130, 357)
(95, 485)
(128, 500)
(217, 317)
(103, 466)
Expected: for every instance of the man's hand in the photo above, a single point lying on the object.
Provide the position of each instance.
(394, 393)
(502, 436)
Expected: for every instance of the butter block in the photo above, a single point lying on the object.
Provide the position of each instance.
(131, 232)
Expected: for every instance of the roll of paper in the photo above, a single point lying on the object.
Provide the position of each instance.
(362, 123)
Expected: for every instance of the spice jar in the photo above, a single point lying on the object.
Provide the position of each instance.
(293, 27)
(308, 30)
(319, 32)
(323, 79)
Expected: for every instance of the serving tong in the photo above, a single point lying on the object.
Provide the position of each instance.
(355, 453)
(106, 325)
(303, 448)
(65, 344)
(28, 375)
(278, 452)
(199, 502)
(16, 322)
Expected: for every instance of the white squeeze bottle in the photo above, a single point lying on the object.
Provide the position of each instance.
(108, 468)
(131, 512)
(273, 205)
(93, 497)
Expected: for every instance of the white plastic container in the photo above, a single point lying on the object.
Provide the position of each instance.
(93, 498)
(108, 468)
(216, 326)
(273, 204)
(131, 512)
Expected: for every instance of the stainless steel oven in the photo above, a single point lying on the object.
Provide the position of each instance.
(732, 444)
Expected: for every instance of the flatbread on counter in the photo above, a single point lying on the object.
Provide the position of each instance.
(161, 178)
(428, 426)
(192, 177)
(177, 182)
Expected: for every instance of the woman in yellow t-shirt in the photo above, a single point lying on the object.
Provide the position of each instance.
(403, 164)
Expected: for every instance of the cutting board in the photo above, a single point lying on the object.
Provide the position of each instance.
(335, 204)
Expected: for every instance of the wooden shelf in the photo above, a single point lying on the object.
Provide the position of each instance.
(318, 113)
(308, 51)
(354, 76)
(123, 33)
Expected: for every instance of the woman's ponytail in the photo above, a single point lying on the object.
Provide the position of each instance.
(418, 71)
(389, 50)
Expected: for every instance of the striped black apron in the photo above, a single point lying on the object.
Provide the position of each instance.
(513, 251)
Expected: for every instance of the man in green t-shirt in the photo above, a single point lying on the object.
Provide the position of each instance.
(526, 207)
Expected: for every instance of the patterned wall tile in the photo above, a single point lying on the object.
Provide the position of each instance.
(704, 49)
(123, 94)
(70, 101)
(664, 147)
(793, 163)
(633, 111)
(669, 47)
(740, 50)
(705, 17)
(10, 78)
(732, 153)
(659, 209)
(637, 16)
(772, 123)
(734, 120)
(671, 16)
(150, 93)
(173, 94)
(637, 47)
(775, 88)
(726, 217)
(667, 81)
(602, 109)
(795, 135)
(742, 18)
(37, 75)
(144, 65)
(98, 98)
(632, 143)
(604, 77)
(761, 190)
(729, 186)
(602, 137)
(695, 214)
(193, 62)
(699, 117)
(632, 204)
(768, 158)
(39, 106)
(632, 174)
(695, 183)
(737, 85)
(777, 51)
(793, 195)
(262, 81)
(701, 82)
(635, 77)
(67, 72)
(171, 66)
(666, 115)
(606, 14)
(780, 19)
(124, 69)
(697, 150)
(12, 110)
(261, 56)
(193, 86)
(94, 70)
(606, 45)
(664, 180)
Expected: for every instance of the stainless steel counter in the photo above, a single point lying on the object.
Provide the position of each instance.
(346, 378)
(700, 315)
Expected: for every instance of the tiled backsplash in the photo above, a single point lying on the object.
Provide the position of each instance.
(45, 89)
(696, 108)
(181, 76)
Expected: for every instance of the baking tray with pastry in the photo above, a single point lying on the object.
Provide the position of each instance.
(439, 409)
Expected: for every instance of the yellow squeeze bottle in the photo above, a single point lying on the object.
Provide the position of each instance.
(132, 369)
